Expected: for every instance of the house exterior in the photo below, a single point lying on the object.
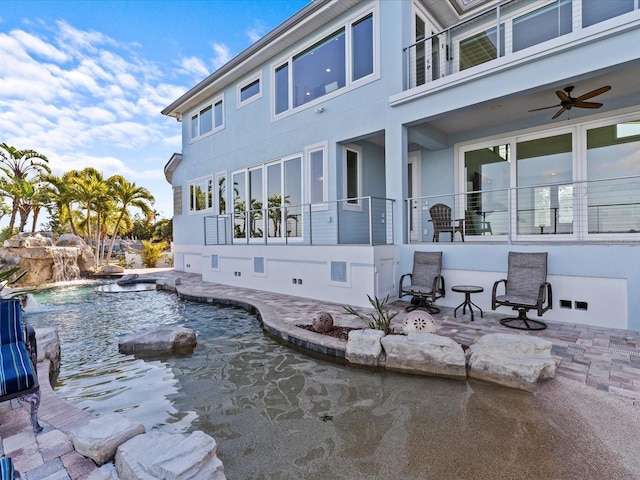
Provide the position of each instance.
(310, 161)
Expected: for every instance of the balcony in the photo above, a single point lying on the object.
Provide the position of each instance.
(512, 30)
(355, 221)
(599, 211)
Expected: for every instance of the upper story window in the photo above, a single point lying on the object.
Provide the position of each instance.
(338, 60)
(249, 91)
(207, 120)
(596, 11)
(542, 24)
(201, 194)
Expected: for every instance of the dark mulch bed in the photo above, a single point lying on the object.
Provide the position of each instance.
(341, 333)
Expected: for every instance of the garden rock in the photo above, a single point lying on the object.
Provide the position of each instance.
(425, 354)
(169, 284)
(418, 321)
(160, 339)
(322, 322)
(160, 456)
(516, 361)
(48, 343)
(99, 438)
(364, 347)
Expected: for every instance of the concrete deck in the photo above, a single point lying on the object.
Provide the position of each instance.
(603, 359)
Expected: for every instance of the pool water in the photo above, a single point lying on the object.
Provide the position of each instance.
(280, 414)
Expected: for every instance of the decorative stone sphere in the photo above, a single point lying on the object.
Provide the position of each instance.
(419, 321)
(322, 322)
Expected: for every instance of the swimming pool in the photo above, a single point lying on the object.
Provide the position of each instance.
(280, 414)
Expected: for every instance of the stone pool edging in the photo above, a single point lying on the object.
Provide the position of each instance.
(524, 366)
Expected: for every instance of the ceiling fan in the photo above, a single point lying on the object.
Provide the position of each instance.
(567, 102)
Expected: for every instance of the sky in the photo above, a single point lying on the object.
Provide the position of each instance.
(83, 81)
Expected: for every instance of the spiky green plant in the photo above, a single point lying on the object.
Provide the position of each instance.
(5, 279)
(380, 319)
(152, 252)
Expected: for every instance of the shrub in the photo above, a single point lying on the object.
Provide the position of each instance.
(380, 320)
(151, 253)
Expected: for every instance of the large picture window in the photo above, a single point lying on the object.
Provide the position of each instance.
(353, 178)
(336, 61)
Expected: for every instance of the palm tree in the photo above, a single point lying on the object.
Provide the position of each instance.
(17, 165)
(63, 197)
(126, 195)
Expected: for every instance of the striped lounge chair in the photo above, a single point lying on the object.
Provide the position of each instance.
(18, 378)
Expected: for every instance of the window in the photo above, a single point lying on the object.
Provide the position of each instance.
(481, 48)
(613, 196)
(319, 70)
(201, 194)
(239, 204)
(579, 182)
(542, 24)
(250, 91)
(595, 11)
(317, 169)
(207, 120)
(221, 183)
(353, 178)
(338, 60)
(362, 48)
(545, 164)
(256, 217)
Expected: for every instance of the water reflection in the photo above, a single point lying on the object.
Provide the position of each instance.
(279, 414)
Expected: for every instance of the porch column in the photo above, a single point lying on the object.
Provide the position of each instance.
(396, 155)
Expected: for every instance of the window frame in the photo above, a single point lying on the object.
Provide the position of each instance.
(308, 151)
(247, 82)
(287, 62)
(197, 113)
(209, 198)
(355, 205)
(580, 177)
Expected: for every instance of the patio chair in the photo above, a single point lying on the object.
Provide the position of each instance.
(442, 223)
(427, 282)
(525, 288)
(18, 356)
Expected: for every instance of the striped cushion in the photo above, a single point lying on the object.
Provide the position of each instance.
(10, 321)
(16, 370)
(7, 472)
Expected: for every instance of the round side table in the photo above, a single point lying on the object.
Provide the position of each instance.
(467, 290)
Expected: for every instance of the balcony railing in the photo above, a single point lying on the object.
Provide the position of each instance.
(502, 31)
(605, 211)
(355, 221)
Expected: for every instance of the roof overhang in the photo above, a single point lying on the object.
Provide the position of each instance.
(295, 28)
(171, 166)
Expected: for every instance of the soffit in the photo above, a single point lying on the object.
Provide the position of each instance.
(293, 30)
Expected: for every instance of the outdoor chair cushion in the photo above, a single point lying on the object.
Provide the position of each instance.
(11, 324)
(16, 371)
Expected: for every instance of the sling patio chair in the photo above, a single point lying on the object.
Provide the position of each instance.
(426, 281)
(18, 356)
(525, 288)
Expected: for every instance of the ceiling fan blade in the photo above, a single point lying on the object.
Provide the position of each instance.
(560, 112)
(563, 96)
(593, 93)
(545, 108)
(588, 105)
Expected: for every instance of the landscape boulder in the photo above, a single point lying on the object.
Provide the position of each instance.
(364, 347)
(99, 438)
(425, 354)
(164, 456)
(48, 343)
(160, 339)
(516, 361)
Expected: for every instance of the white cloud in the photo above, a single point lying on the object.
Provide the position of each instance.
(84, 100)
(194, 66)
(222, 55)
(257, 31)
